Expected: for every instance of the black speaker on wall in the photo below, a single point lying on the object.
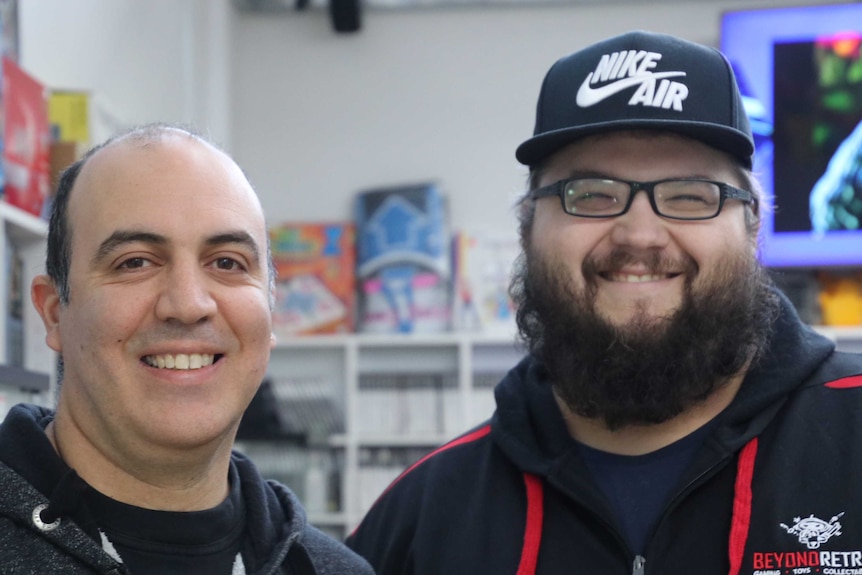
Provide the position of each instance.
(345, 15)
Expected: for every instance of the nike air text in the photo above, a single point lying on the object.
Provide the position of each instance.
(631, 68)
(625, 64)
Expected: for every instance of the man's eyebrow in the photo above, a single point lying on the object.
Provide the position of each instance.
(121, 237)
(240, 237)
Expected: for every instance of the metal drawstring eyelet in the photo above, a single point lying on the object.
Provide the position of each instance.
(39, 523)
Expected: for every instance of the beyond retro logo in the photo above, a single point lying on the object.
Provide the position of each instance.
(628, 68)
(811, 532)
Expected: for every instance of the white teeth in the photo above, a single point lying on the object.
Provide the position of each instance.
(180, 361)
(632, 278)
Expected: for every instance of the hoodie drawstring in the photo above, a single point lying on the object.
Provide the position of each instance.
(65, 498)
(533, 529)
(742, 497)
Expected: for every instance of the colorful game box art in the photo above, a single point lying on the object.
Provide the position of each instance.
(315, 287)
(483, 270)
(403, 257)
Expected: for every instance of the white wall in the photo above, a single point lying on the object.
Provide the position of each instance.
(442, 94)
(142, 60)
(315, 116)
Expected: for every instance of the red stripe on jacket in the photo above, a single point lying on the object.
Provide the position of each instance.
(533, 529)
(741, 522)
(846, 382)
(469, 438)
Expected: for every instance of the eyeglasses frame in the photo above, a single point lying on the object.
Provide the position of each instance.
(727, 192)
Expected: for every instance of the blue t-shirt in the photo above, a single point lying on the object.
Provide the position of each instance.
(638, 486)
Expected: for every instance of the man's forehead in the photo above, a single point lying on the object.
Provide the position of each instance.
(162, 148)
(644, 142)
(169, 163)
(177, 180)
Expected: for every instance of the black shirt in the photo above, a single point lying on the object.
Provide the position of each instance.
(168, 542)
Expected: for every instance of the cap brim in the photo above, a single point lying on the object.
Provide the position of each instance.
(726, 139)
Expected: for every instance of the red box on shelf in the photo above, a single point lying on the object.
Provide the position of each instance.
(26, 140)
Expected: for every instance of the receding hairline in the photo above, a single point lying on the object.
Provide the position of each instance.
(154, 137)
(150, 135)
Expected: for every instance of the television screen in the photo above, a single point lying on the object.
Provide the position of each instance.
(800, 71)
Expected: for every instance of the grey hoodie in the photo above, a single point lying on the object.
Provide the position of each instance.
(281, 541)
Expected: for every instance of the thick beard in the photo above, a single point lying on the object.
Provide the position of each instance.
(653, 368)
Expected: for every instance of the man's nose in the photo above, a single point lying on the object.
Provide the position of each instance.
(186, 295)
(640, 227)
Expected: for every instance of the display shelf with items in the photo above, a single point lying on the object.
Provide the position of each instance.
(830, 300)
(846, 338)
(294, 430)
(27, 362)
(399, 397)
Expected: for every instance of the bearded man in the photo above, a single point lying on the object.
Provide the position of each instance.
(673, 415)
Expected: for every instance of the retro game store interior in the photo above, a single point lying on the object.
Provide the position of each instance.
(379, 136)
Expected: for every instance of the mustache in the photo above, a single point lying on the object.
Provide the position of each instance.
(199, 333)
(654, 261)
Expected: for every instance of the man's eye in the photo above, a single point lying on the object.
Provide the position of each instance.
(228, 264)
(133, 263)
(693, 198)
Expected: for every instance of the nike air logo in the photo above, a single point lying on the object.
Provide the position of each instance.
(626, 69)
(588, 96)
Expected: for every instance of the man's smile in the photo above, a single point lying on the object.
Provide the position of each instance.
(636, 278)
(181, 360)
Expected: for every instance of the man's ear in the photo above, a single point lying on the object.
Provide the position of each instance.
(43, 294)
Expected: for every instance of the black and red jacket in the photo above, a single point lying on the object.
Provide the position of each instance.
(776, 488)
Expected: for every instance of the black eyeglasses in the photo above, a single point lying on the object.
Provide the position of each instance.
(678, 199)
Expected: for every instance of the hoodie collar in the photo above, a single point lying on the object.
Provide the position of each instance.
(275, 518)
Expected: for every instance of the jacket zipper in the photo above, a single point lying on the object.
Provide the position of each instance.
(639, 565)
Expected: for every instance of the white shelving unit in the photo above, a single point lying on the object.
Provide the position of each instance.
(400, 396)
(28, 375)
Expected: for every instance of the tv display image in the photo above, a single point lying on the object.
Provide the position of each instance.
(800, 71)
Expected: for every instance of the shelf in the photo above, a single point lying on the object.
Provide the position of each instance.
(21, 225)
(394, 340)
(403, 395)
(840, 332)
(327, 519)
(431, 441)
(22, 340)
(24, 379)
(337, 440)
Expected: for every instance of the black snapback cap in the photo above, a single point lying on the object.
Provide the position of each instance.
(640, 80)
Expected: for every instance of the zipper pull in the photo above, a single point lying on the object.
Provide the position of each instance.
(638, 565)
